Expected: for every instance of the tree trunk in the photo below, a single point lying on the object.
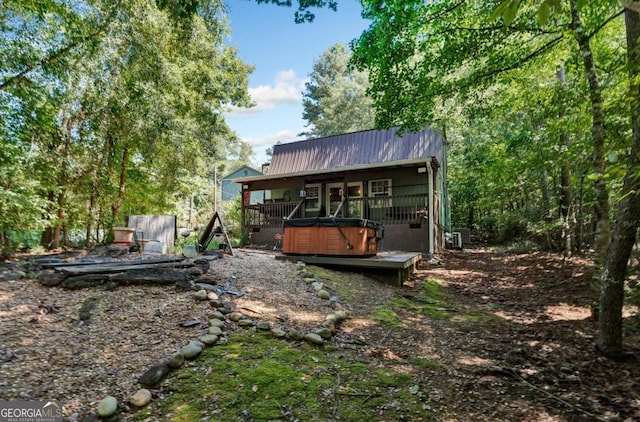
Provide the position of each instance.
(46, 240)
(580, 216)
(565, 177)
(94, 190)
(603, 225)
(57, 230)
(115, 208)
(609, 341)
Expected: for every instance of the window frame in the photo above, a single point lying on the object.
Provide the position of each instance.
(318, 196)
(374, 197)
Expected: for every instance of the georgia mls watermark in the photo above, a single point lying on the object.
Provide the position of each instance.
(30, 411)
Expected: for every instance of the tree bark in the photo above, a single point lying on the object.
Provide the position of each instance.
(565, 197)
(115, 208)
(603, 225)
(94, 190)
(610, 340)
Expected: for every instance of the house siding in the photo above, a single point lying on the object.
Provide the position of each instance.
(230, 190)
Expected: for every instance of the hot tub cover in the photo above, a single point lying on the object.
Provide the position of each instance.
(332, 222)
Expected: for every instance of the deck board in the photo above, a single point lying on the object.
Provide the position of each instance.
(402, 261)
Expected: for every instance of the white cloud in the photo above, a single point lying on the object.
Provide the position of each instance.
(286, 89)
(281, 136)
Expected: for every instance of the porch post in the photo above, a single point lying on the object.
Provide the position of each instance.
(431, 216)
(246, 198)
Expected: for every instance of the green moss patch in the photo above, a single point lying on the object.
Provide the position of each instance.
(255, 377)
(386, 315)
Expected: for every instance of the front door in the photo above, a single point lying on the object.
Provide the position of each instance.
(354, 193)
(335, 193)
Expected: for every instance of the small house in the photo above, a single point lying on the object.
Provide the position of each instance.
(397, 180)
(229, 190)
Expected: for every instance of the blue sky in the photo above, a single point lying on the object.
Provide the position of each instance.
(283, 53)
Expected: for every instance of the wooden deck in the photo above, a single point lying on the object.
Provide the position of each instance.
(403, 262)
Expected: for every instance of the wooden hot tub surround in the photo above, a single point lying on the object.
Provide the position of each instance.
(331, 236)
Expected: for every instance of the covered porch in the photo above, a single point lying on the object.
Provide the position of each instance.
(402, 196)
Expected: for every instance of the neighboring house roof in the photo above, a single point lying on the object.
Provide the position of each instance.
(366, 148)
(244, 171)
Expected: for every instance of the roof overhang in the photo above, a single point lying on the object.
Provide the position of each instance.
(334, 171)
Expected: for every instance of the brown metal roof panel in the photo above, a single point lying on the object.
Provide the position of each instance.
(359, 148)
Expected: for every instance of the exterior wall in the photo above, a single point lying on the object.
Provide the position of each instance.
(230, 189)
(401, 237)
(266, 236)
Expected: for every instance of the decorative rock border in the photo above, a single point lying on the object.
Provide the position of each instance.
(108, 407)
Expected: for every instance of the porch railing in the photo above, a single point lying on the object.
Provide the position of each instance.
(395, 209)
(269, 215)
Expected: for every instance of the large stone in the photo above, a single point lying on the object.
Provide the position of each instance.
(216, 303)
(263, 325)
(216, 331)
(245, 323)
(217, 315)
(154, 375)
(317, 285)
(212, 296)
(325, 333)
(295, 334)
(209, 339)
(304, 273)
(216, 323)
(200, 294)
(323, 294)
(313, 338)
(278, 332)
(107, 406)
(141, 398)
(176, 361)
(12, 275)
(340, 315)
(235, 316)
(192, 350)
(331, 325)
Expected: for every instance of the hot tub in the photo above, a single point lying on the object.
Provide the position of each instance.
(331, 236)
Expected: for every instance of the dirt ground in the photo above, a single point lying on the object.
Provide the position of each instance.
(535, 360)
(515, 338)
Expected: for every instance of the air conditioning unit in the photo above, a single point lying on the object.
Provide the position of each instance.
(456, 240)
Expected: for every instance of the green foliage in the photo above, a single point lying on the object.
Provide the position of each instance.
(234, 221)
(335, 100)
(120, 112)
(513, 126)
(303, 14)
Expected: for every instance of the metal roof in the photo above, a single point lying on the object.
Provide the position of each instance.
(366, 148)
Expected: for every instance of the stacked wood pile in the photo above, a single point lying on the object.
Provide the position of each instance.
(109, 274)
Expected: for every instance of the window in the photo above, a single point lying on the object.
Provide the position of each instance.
(312, 200)
(380, 189)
